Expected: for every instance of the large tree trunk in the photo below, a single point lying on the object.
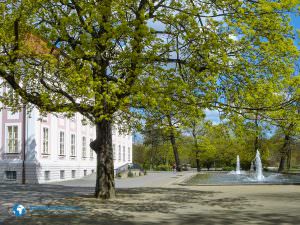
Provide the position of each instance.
(284, 153)
(105, 184)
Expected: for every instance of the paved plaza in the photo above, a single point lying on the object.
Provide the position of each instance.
(157, 198)
(154, 179)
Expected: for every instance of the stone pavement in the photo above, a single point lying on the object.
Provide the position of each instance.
(44, 194)
(157, 200)
(152, 179)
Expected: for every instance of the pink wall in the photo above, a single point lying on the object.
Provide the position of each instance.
(6, 121)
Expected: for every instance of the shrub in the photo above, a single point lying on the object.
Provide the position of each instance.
(163, 167)
(228, 168)
(119, 175)
(130, 174)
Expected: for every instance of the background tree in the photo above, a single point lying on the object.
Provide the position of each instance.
(198, 128)
(287, 121)
(154, 139)
(169, 117)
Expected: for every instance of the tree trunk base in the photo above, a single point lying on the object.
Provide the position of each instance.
(105, 184)
(111, 194)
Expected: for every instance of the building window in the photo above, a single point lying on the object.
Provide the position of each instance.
(114, 151)
(83, 147)
(129, 154)
(84, 172)
(62, 143)
(62, 174)
(13, 141)
(120, 153)
(91, 150)
(73, 173)
(73, 145)
(124, 153)
(47, 175)
(45, 140)
(11, 175)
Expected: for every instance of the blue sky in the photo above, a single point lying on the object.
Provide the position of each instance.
(295, 22)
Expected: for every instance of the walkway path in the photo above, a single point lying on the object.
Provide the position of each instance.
(155, 179)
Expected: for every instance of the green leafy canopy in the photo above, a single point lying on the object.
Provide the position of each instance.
(100, 57)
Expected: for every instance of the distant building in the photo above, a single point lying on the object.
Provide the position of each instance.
(56, 148)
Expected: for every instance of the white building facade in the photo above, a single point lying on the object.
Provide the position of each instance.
(56, 148)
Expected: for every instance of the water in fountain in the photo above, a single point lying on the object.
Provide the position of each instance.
(258, 167)
(238, 169)
(246, 178)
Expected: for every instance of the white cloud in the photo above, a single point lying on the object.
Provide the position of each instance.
(212, 115)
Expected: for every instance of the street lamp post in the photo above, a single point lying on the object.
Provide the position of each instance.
(24, 145)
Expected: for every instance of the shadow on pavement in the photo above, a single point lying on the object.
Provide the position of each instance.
(136, 206)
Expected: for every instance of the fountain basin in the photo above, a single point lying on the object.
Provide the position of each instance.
(242, 179)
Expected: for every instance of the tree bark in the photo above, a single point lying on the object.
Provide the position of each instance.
(284, 153)
(282, 163)
(289, 156)
(175, 150)
(256, 144)
(198, 164)
(196, 147)
(105, 184)
(174, 144)
(256, 141)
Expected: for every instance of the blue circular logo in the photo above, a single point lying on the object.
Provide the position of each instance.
(18, 210)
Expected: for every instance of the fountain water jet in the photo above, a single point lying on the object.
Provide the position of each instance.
(258, 167)
(238, 167)
(251, 167)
